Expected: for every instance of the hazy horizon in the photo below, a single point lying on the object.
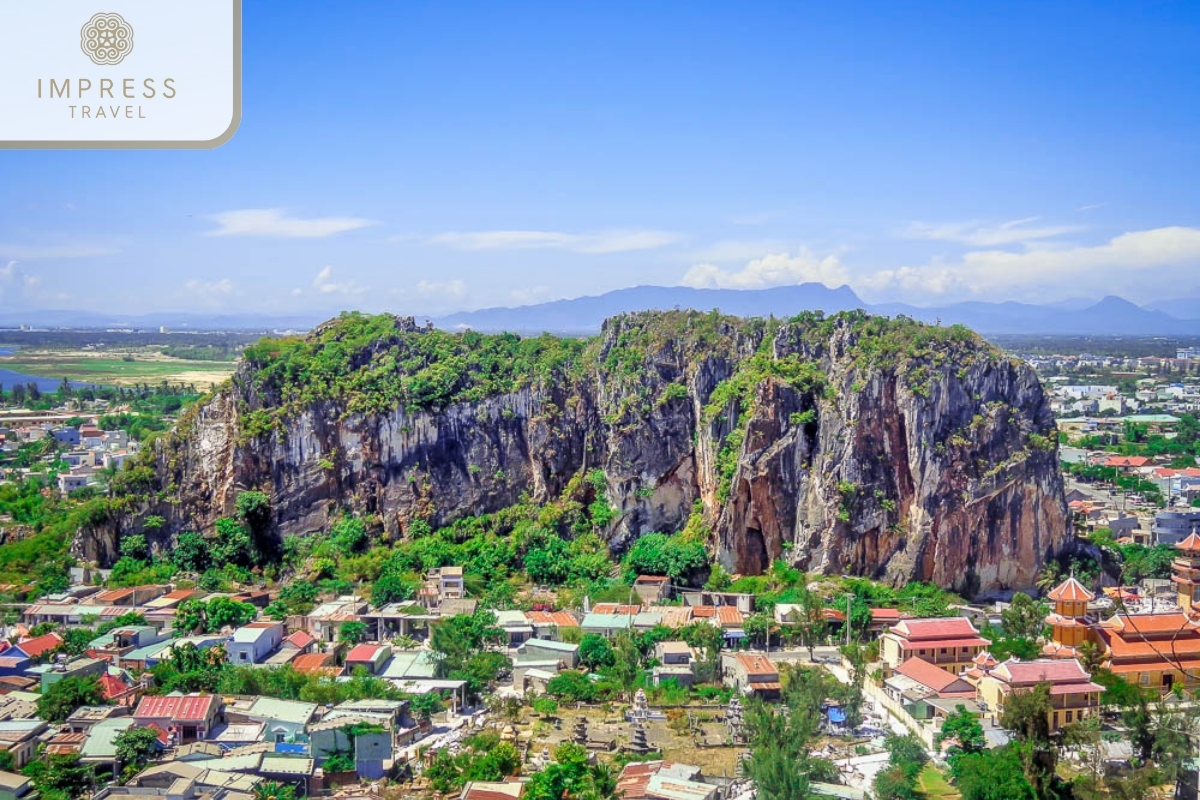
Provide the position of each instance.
(423, 160)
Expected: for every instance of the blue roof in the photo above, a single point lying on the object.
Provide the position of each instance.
(836, 715)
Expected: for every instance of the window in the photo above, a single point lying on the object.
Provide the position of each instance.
(943, 651)
(1070, 717)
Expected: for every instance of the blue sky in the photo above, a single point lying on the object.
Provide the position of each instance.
(431, 157)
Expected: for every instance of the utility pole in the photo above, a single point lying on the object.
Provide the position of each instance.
(849, 600)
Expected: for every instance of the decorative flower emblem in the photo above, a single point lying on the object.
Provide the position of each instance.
(107, 38)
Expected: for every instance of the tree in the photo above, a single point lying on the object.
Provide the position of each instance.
(545, 706)
(627, 664)
(572, 686)
(134, 546)
(191, 552)
(993, 775)
(253, 508)
(62, 698)
(273, 790)
(1024, 618)
(60, 777)
(197, 616)
(758, 628)
(391, 588)
(1027, 714)
(963, 727)
(352, 632)
(426, 705)
(595, 651)
(135, 747)
(906, 759)
(233, 544)
(1049, 577)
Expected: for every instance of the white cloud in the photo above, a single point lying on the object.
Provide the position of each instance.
(453, 289)
(1126, 259)
(8, 271)
(324, 283)
(613, 241)
(976, 234)
(210, 289)
(276, 222)
(773, 269)
(33, 252)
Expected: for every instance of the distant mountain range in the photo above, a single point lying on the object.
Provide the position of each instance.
(583, 315)
(1110, 316)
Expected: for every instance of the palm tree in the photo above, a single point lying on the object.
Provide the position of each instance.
(273, 790)
(215, 655)
(1049, 577)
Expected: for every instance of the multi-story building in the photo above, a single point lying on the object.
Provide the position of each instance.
(1172, 527)
(1152, 650)
(1185, 572)
(1073, 696)
(1069, 623)
(951, 643)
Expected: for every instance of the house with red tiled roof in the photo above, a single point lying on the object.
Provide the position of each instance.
(751, 674)
(370, 657)
(317, 662)
(186, 718)
(39, 646)
(550, 624)
(1073, 696)
(1127, 464)
(883, 618)
(301, 640)
(917, 679)
(949, 642)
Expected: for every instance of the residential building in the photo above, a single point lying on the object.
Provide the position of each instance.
(567, 655)
(551, 624)
(489, 790)
(949, 642)
(285, 720)
(1172, 527)
(652, 588)
(370, 657)
(19, 738)
(516, 626)
(185, 718)
(100, 748)
(663, 780)
(254, 643)
(14, 786)
(78, 668)
(1073, 696)
(751, 674)
(917, 679)
(324, 621)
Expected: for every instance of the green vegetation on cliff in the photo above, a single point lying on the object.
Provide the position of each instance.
(373, 364)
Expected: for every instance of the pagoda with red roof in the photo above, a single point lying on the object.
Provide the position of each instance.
(1185, 575)
(1069, 620)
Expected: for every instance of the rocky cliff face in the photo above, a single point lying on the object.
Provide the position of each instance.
(844, 445)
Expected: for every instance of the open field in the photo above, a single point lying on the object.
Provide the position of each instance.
(144, 366)
(934, 785)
